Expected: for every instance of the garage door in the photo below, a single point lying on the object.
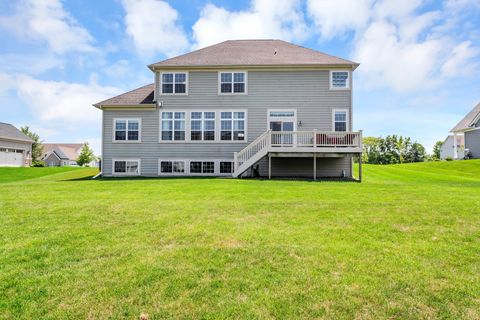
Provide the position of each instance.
(11, 159)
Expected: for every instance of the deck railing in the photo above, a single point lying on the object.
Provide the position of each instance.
(315, 139)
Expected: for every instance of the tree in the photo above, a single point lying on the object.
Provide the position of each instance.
(416, 153)
(37, 147)
(86, 155)
(436, 150)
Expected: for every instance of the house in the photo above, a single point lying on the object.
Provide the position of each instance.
(15, 147)
(239, 108)
(61, 154)
(469, 129)
(447, 149)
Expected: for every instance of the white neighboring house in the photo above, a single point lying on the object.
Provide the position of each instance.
(63, 154)
(469, 129)
(15, 147)
(447, 150)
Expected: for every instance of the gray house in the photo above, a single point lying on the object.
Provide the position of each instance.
(15, 147)
(238, 108)
(469, 128)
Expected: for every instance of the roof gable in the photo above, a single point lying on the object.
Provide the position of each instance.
(253, 53)
(469, 120)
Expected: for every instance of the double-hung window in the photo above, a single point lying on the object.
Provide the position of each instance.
(172, 167)
(232, 126)
(202, 167)
(173, 126)
(340, 120)
(126, 167)
(174, 83)
(339, 79)
(232, 82)
(202, 126)
(127, 130)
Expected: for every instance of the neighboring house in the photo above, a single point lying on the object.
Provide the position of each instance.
(61, 154)
(238, 108)
(447, 150)
(15, 147)
(469, 129)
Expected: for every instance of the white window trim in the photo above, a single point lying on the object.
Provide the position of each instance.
(169, 174)
(127, 141)
(187, 126)
(202, 121)
(348, 118)
(187, 172)
(187, 76)
(348, 79)
(294, 118)
(245, 140)
(126, 173)
(188, 123)
(220, 93)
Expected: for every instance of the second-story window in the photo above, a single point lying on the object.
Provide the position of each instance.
(173, 126)
(127, 130)
(174, 83)
(339, 79)
(232, 82)
(202, 126)
(232, 126)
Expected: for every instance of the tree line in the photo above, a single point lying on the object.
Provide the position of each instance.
(395, 149)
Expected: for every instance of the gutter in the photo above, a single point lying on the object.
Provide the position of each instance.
(97, 175)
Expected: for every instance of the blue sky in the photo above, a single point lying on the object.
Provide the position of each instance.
(419, 71)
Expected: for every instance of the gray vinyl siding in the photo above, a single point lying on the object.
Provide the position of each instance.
(15, 144)
(472, 142)
(52, 161)
(306, 91)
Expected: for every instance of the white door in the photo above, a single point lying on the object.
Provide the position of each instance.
(11, 159)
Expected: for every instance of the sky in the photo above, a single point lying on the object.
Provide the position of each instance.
(418, 75)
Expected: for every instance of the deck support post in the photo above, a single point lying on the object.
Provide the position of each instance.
(269, 166)
(360, 167)
(314, 166)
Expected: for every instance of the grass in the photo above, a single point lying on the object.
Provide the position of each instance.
(404, 244)
(17, 174)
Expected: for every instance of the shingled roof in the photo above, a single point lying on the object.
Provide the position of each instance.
(467, 121)
(8, 131)
(139, 96)
(253, 53)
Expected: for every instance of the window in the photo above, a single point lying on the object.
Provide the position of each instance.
(226, 167)
(339, 79)
(173, 126)
(202, 167)
(174, 83)
(172, 167)
(126, 167)
(127, 130)
(233, 82)
(232, 126)
(282, 114)
(202, 126)
(340, 120)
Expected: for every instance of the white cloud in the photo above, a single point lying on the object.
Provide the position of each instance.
(335, 17)
(48, 21)
(397, 46)
(265, 19)
(154, 27)
(455, 64)
(58, 101)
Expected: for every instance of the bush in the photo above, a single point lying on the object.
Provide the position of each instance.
(448, 159)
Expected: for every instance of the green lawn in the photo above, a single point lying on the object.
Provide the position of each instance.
(404, 244)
